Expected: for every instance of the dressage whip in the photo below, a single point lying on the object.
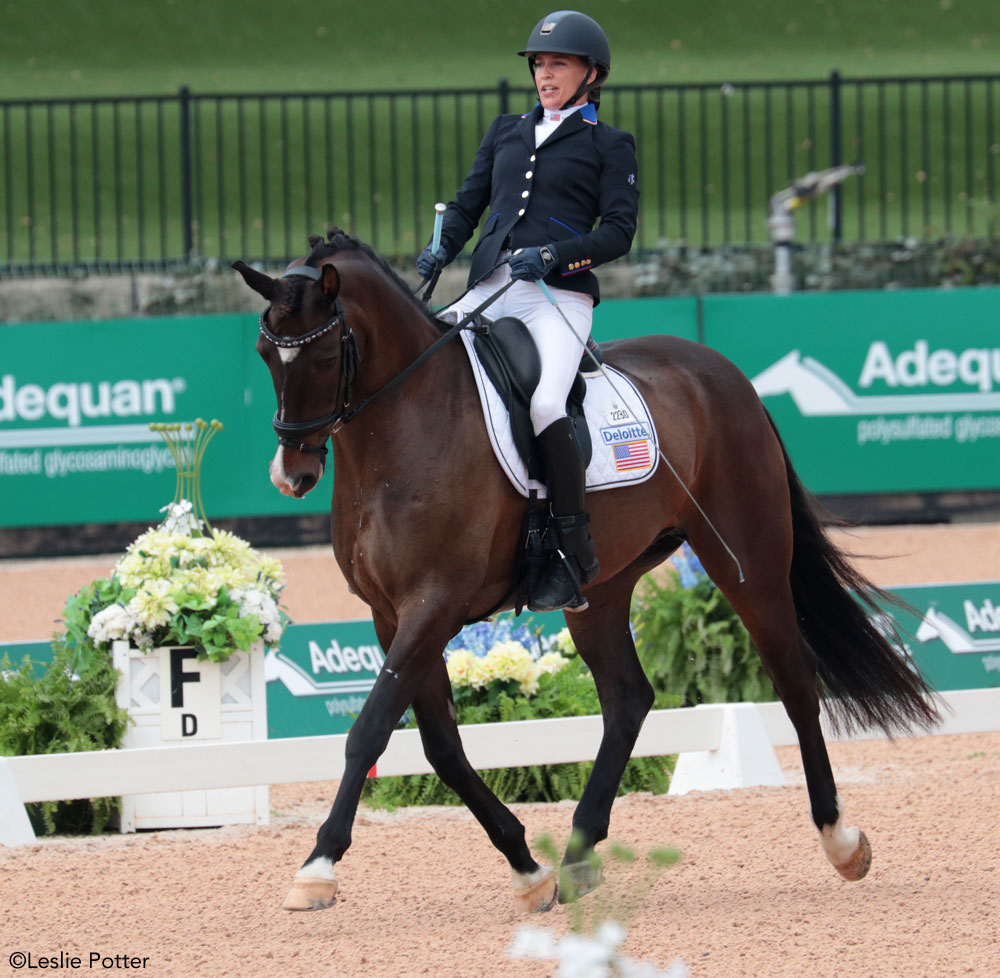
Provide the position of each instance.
(439, 210)
(600, 367)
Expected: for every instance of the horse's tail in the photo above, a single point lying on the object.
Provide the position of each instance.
(864, 673)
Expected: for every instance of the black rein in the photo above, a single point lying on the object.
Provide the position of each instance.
(348, 367)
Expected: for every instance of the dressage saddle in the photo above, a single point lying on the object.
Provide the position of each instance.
(510, 359)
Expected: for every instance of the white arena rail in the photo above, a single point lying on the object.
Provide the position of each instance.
(721, 746)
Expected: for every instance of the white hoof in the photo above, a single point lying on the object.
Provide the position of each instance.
(314, 887)
(534, 892)
(848, 849)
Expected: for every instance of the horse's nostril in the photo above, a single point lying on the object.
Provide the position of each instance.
(303, 483)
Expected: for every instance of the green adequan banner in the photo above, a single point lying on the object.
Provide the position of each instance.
(318, 679)
(76, 400)
(874, 392)
(952, 632)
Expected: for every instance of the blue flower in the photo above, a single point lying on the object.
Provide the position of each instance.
(483, 635)
(688, 566)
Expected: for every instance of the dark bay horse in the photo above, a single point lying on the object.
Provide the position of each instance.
(425, 528)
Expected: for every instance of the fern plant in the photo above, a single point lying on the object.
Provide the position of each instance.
(693, 646)
(70, 707)
(568, 692)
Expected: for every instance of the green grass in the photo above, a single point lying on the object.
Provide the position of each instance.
(102, 47)
(264, 178)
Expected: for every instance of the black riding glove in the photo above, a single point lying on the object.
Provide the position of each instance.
(531, 264)
(429, 263)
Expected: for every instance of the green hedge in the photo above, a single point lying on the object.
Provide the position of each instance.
(70, 707)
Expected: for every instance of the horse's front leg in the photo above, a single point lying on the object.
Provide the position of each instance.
(604, 641)
(418, 641)
(534, 885)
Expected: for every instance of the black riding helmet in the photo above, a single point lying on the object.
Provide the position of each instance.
(570, 32)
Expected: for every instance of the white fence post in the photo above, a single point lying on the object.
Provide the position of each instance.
(744, 758)
(15, 826)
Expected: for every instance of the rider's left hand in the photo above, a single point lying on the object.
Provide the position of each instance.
(531, 264)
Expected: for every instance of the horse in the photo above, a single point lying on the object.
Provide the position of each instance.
(426, 529)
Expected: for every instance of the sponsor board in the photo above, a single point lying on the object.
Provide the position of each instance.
(75, 444)
(874, 392)
(317, 681)
(39, 653)
(952, 632)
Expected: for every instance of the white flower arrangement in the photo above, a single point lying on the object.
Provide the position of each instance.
(504, 662)
(179, 585)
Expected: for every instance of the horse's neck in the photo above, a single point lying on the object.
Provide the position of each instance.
(425, 410)
(393, 332)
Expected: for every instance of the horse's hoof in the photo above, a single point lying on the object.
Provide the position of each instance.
(578, 879)
(857, 866)
(535, 892)
(311, 893)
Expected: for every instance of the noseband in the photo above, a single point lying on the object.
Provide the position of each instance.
(348, 368)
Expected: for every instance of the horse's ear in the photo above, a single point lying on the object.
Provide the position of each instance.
(330, 282)
(258, 281)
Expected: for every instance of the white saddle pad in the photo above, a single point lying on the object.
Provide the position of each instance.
(626, 447)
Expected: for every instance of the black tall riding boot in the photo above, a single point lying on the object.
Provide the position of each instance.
(573, 562)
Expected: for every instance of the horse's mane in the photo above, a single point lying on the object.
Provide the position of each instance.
(337, 240)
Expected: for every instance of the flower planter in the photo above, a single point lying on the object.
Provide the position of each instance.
(175, 699)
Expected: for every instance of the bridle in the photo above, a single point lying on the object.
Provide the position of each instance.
(348, 368)
(332, 421)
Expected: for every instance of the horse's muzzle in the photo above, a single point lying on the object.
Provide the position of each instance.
(295, 472)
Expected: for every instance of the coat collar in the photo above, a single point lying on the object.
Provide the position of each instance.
(587, 115)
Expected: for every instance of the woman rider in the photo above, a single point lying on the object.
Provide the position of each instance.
(548, 177)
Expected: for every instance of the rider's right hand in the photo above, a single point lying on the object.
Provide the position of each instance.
(428, 263)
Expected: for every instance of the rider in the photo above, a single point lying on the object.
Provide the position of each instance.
(547, 177)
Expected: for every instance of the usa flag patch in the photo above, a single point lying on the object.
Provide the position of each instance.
(632, 455)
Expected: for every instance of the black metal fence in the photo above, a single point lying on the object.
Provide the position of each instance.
(160, 181)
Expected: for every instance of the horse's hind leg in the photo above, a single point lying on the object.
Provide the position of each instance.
(604, 640)
(790, 664)
(768, 612)
(534, 885)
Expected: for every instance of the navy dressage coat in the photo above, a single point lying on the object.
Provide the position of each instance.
(583, 172)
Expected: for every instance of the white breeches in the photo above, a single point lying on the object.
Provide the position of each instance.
(560, 348)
